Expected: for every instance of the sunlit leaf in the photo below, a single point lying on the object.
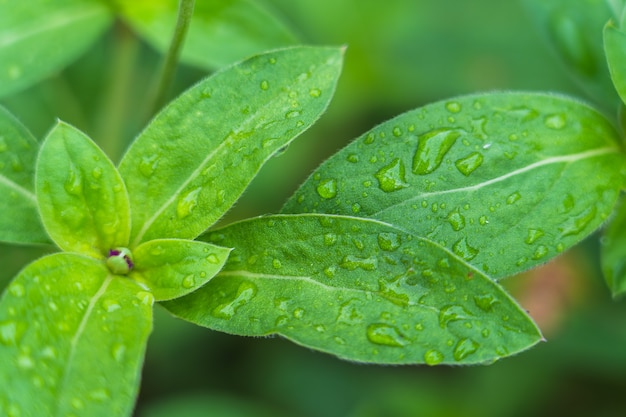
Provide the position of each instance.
(359, 289)
(199, 154)
(221, 32)
(39, 37)
(81, 197)
(614, 253)
(171, 268)
(19, 222)
(574, 28)
(72, 339)
(615, 47)
(506, 181)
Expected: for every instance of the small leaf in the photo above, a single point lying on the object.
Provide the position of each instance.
(19, 222)
(82, 199)
(574, 30)
(613, 254)
(360, 289)
(221, 32)
(39, 37)
(615, 49)
(199, 154)
(171, 268)
(72, 339)
(506, 181)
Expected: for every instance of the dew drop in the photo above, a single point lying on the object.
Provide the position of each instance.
(383, 334)
(452, 313)
(555, 121)
(187, 203)
(99, 395)
(433, 357)
(540, 252)
(513, 198)
(148, 165)
(277, 264)
(327, 188)
(265, 85)
(292, 113)
(397, 132)
(464, 250)
(469, 164)
(485, 302)
(245, 292)
(11, 332)
(351, 262)
(354, 158)
(432, 148)
(110, 305)
(389, 242)
(392, 177)
(576, 224)
(533, 235)
(453, 106)
(17, 290)
(330, 239)
(96, 173)
(213, 259)
(456, 220)
(315, 92)
(145, 298)
(330, 271)
(356, 208)
(118, 351)
(189, 281)
(298, 313)
(464, 348)
(73, 184)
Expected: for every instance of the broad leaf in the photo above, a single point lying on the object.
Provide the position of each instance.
(574, 28)
(72, 339)
(614, 253)
(198, 155)
(221, 32)
(171, 268)
(19, 222)
(357, 288)
(39, 37)
(505, 181)
(615, 47)
(81, 196)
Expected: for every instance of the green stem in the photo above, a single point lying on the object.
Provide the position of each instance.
(185, 11)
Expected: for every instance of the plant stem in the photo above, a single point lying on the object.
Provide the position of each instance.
(168, 68)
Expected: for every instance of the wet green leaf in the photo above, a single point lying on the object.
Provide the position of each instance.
(613, 253)
(39, 37)
(615, 47)
(574, 28)
(81, 196)
(358, 288)
(171, 268)
(19, 222)
(198, 155)
(221, 32)
(506, 181)
(72, 339)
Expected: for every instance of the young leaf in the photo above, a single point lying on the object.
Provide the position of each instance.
(39, 37)
(505, 181)
(614, 253)
(19, 222)
(221, 32)
(198, 155)
(574, 30)
(72, 339)
(615, 49)
(171, 268)
(81, 197)
(358, 288)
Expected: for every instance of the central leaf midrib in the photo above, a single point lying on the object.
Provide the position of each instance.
(15, 186)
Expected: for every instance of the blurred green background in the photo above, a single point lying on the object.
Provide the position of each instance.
(401, 54)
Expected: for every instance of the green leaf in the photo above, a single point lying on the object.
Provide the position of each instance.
(81, 196)
(171, 268)
(615, 48)
(358, 288)
(72, 339)
(505, 180)
(613, 253)
(574, 30)
(19, 222)
(39, 37)
(221, 32)
(198, 155)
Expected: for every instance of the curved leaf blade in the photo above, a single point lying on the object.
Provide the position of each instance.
(38, 37)
(20, 222)
(61, 315)
(613, 253)
(357, 288)
(615, 49)
(81, 196)
(172, 268)
(221, 32)
(199, 154)
(506, 181)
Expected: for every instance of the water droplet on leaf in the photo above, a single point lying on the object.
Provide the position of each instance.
(432, 148)
(456, 220)
(533, 235)
(389, 242)
(469, 164)
(245, 292)
(453, 106)
(383, 334)
(11, 332)
(189, 281)
(148, 165)
(464, 348)
(433, 357)
(265, 85)
(187, 203)
(351, 262)
(392, 177)
(452, 313)
(464, 250)
(327, 188)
